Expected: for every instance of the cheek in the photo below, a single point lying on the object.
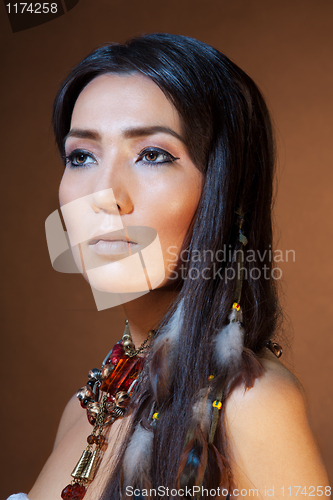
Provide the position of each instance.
(66, 189)
(74, 185)
(62, 196)
(172, 213)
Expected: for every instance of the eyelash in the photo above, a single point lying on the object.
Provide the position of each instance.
(69, 160)
(169, 158)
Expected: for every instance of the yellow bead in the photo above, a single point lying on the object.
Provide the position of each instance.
(156, 416)
(236, 306)
(210, 377)
(217, 404)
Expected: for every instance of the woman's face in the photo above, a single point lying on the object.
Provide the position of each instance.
(130, 189)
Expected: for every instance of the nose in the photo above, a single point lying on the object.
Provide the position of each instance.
(104, 200)
(112, 190)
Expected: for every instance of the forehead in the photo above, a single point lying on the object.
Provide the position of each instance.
(112, 100)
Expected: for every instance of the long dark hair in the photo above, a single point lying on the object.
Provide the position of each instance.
(229, 137)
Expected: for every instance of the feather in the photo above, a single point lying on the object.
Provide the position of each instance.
(251, 369)
(202, 411)
(170, 332)
(137, 459)
(220, 467)
(164, 353)
(193, 461)
(229, 343)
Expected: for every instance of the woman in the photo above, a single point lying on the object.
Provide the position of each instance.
(165, 136)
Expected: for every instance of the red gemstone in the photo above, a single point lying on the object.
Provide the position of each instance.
(118, 350)
(91, 439)
(127, 384)
(78, 492)
(66, 493)
(100, 440)
(140, 365)
(121, 372)
(73, 492)
(116, 354)
(114, 360)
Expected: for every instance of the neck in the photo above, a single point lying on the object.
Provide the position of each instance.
(146, 312)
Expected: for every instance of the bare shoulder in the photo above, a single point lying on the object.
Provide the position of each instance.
(71, 415)
(276, 400)
(277, 385)
(270, 439)
(70, 440)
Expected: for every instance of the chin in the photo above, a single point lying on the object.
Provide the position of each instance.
(125, 276)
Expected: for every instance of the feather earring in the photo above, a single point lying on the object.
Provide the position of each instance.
(164, 353)
(137, 459)
(202, 410)
(193, 460)
(169, 333)
(229, 341)
(228, 350)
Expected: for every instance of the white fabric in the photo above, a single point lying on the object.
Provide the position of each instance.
(18, 496)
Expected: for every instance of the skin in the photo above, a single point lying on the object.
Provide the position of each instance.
(270, 438)
(163, 196)
(271, 443)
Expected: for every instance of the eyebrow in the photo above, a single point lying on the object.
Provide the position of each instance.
(83, 134)
(145, 131)
(129, 133)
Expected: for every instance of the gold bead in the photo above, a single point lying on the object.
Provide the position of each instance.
(128, 344)
(122, 399)
(94, 373)
(93, 409)
(118, 412)
(107, 370)
(84, 392)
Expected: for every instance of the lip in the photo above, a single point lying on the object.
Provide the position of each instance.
(110, 236)
(119, 243)
(112, 244)
(105, 238)
(109, 247)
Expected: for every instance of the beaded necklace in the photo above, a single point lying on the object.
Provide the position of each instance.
(105, 398)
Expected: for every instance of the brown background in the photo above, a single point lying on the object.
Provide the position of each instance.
(52, 332)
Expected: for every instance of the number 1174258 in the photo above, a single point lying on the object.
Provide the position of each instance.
(32, 8)
(310, 491)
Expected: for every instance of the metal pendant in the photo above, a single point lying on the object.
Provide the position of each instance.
(81, 465)
(91, 467)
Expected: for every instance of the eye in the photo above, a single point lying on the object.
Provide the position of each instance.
(80, 158)
(153, 156)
